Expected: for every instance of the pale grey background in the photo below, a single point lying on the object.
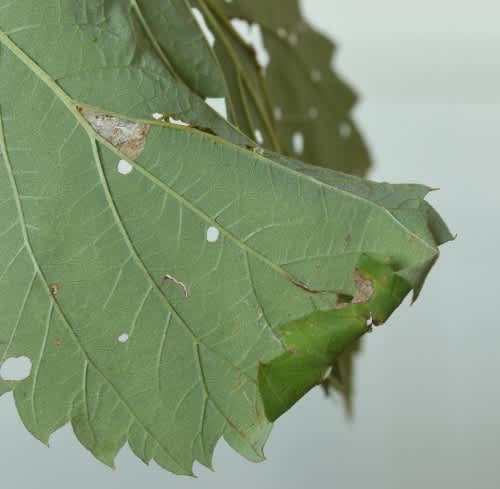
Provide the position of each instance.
(428, 392)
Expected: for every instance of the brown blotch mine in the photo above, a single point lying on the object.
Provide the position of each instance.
(364, 291)
(127, 136)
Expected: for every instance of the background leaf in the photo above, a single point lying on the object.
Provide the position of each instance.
(298, 104)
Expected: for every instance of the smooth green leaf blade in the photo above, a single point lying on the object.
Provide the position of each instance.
(106, 222)
(305, 97)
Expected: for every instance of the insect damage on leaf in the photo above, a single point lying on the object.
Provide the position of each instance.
(315, 343)
(129, 137)
(183, 286)
(364, 290)
(16, 369)
(255, 237)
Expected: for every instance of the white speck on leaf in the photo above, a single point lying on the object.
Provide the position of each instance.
(124, 167)
(258, 136)
(298, 143)
(212, 234)
(123, 338)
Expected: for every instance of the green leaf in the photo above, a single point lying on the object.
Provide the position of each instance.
(171, 28)
(107, 55)
(297, 96)
(146, 268)
(315, 342)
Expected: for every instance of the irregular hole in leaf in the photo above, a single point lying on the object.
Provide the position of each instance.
(178, 122)
(15, 369)
(209, 36)
(158, 116)
(129, 137)
(278, 113)
(218, 104)
(212, 234)
(124, 167)
(252, 35)
(298, 142)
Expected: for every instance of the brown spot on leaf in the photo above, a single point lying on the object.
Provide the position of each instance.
(58, 342)
(127, 136)
(364, 291)
(258, 414)
(54, 289)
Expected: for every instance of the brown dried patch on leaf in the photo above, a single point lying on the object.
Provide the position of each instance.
(129, 137)
(364, 291)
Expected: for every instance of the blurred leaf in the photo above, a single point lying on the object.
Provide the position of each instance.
(170, 37)
(298, 103)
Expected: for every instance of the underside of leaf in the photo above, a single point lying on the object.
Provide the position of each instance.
(148, 268)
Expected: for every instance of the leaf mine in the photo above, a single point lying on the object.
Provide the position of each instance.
(127, 136)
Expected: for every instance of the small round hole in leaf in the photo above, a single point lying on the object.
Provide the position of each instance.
(15, 369)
